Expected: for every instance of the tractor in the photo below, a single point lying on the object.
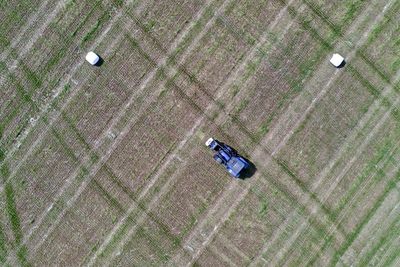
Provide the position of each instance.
(227, 156)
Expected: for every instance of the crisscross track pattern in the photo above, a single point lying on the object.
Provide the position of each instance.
(106, 166)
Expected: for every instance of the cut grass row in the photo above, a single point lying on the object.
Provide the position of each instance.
(3, 246)
(324, 42)
(113, 202)
(65, 147)
(395, 255)
(306, 68)
(363, 80)
(15, 224)
(14, 14)
(248, 133)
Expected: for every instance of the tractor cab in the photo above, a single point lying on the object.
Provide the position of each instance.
(227, 156)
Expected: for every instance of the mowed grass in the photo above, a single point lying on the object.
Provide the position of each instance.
(196, 84)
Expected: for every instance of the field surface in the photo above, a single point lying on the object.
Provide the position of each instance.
(106, 166)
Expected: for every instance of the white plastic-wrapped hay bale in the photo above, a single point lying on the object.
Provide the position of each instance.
(92, 58)
(337, 60)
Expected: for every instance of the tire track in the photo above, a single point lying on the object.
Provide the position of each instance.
(377, 232)
(39, 140)
(263, 40)
(228, 244)
(303, 227)
(342, 216)
(222, 256)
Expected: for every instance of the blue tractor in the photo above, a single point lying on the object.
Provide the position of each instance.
(227, 156)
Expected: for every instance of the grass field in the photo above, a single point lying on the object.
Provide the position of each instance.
(106, 166)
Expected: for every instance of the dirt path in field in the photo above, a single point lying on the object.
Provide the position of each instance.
(361, 41)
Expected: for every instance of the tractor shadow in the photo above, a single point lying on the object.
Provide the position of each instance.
(249, 172)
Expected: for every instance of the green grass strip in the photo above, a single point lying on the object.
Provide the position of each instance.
(12, 213)
(23, 95)
(15, 223)
(378, 29)
(22, 255)
(89, 15)
(31, 76)
(4, 172)
(10, 117)
(390, 260)
(3, 249)
(367, 84)
(336, 29)
(2, 154)
(109, 199)
(155, 246)
(91, 34)
(353, 7)
(338, 32)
